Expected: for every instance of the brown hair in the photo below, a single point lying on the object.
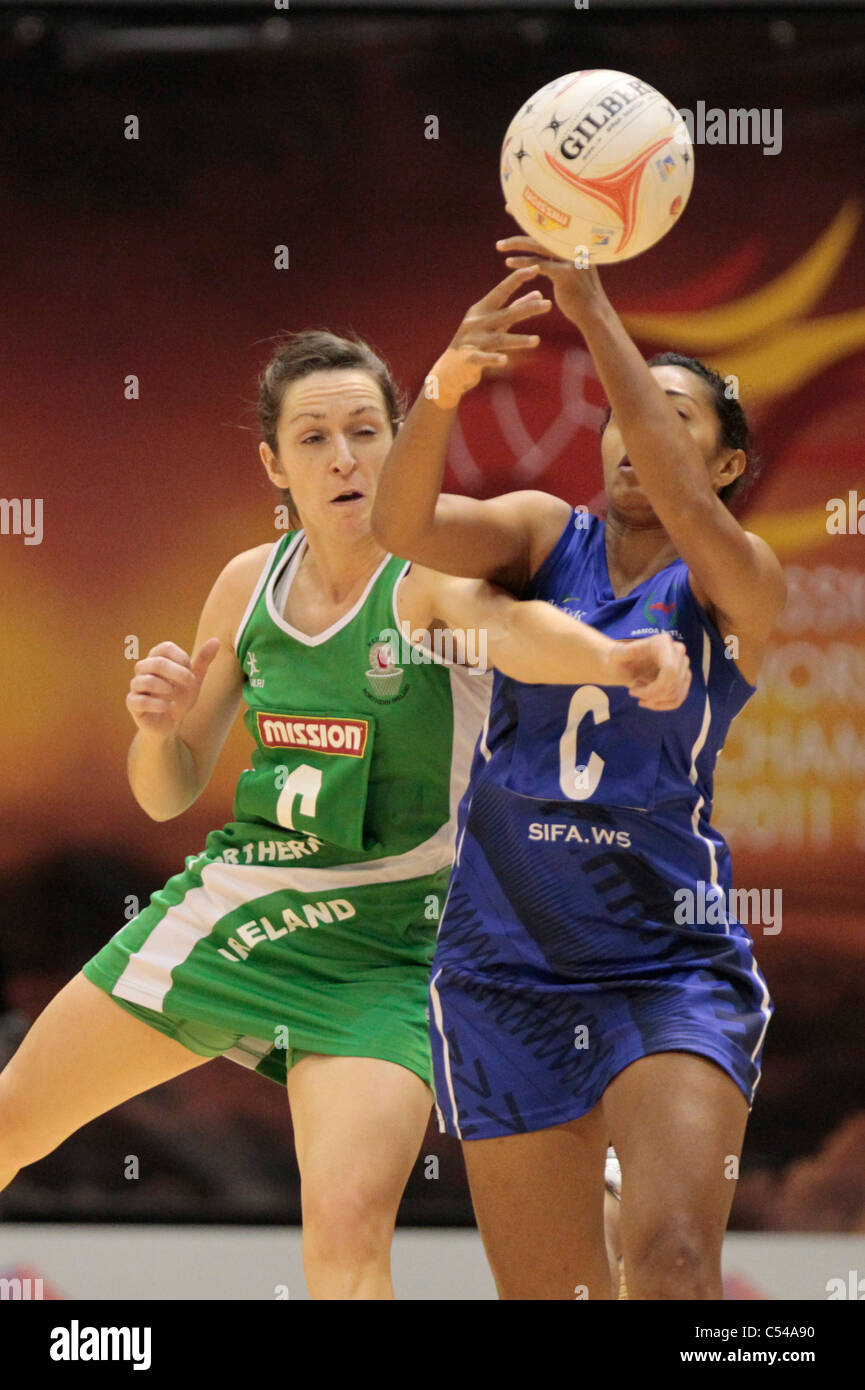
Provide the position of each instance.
(316, 350)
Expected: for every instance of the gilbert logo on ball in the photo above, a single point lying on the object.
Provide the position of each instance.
(597, 160)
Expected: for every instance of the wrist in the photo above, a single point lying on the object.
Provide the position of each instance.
(590, 310)
(450, 377)
(608, 654)
(156, 738)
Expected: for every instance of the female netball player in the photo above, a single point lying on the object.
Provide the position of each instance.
(573, 1001)
(299, 941)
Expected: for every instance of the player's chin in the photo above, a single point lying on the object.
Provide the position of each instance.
(626, 495)
(355, 515)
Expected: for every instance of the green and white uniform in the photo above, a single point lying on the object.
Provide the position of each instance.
(308, 923)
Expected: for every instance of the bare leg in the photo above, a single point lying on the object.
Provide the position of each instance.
(539, 1203)
(82, 1056)
(358, 1126)
(677, 1122)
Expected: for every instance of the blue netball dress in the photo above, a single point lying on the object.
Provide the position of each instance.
(575, 936)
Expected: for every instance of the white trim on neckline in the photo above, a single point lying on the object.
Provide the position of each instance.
(293, 555)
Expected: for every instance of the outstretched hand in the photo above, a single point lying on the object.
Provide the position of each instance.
(576, 284)
(484, 338)
(655, 670)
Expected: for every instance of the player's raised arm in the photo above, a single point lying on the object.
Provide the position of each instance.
(660, 430)
(185, 705)
(496, 539)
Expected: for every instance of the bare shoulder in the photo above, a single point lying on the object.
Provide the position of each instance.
(769, 563)
(530, 504)
(245, 567)
(233, 589)
(540, 515)
(549, 517)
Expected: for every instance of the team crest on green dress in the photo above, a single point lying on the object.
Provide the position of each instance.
(384, 676)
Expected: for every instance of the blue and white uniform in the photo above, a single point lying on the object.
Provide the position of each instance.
(586, 922)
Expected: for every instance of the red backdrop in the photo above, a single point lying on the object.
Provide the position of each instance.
(154, 257)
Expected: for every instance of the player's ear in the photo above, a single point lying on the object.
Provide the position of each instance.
(272, 465)
(733, 467)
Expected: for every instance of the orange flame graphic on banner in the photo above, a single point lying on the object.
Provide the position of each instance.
(768, 342)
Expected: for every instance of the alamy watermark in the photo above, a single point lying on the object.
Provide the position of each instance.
(711, 906)
(735, 126)
(22, 516)
(77, 1343)
(846, 515)
(420, 646)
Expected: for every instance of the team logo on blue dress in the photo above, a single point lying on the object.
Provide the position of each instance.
(658, 613)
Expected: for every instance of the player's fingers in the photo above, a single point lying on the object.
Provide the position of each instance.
(673, 670)
(181, 676)
(488, 359)
(172, 651)
(152, 685)
(510, 244)
(524, 308)
(502, 292)
(669, 697)
(147, 704)
(667, 692)
(204, 657)
(509, 342)
(662, 706)
(552, 269)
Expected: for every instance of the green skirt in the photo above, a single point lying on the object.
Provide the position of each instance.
(256, 958)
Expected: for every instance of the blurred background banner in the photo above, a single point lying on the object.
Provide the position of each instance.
(139, 295)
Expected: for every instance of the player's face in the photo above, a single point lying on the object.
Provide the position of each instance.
(333, 435)
(694, 403)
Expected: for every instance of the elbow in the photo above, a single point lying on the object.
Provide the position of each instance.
(157, 813)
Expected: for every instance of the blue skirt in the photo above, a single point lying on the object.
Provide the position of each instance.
(560, 960)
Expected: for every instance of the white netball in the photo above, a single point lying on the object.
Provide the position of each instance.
(597, 166)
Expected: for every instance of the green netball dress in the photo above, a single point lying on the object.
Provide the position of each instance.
(308, 923)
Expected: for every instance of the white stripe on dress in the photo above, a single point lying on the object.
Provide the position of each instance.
(692, 775)
(147, 977)
(695, 753)
(764, 1009)
(250, 1052)
(446, 1057)
(484, 735)
(262, 580)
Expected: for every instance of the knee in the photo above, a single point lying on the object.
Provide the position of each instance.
(346, 1223)
(676, 1259)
